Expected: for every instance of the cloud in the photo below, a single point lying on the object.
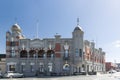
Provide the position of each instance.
(116, 43)
(112, 50)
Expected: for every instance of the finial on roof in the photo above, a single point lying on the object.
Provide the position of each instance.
(78, 26)
(77, 21)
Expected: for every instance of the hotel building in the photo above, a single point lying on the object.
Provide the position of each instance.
(52, 55)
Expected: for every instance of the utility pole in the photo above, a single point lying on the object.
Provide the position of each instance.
(37, 28)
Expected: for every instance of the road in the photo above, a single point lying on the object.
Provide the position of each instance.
(80, 77)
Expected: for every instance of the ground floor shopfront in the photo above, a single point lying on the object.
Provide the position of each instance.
(33, 67)
(94, 67)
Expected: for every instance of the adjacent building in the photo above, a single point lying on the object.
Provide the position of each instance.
(2, 63)
(110, 66)
(117, 67)
(94, 59)
(52, 55)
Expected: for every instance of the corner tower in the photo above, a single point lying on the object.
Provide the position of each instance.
(12, 41)
(77, 36)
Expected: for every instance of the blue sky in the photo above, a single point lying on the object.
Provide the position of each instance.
(98, 18)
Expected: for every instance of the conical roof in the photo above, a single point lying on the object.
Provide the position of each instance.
(78, 28)
(16, 27)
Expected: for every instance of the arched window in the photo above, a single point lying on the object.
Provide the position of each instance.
(32, 53)
(23, 54)
(50, 53)
(41, 53)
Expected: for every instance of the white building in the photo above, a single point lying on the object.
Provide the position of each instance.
(49, 55)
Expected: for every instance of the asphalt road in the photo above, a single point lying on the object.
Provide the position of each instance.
(88, 77)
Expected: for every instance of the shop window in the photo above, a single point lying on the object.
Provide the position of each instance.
(12, 68)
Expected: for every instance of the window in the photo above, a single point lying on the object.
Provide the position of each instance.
(41, 67)
(41, 53)
(76, 52)
(12, 43)
(52, 55)
(49, 53)
(44, 56)
(32, 53)
(80, 53)
(23, 54)
(22, 66)
(79, 69)
(50, 67)
(12, 68)
(32, 69)
(12, 52)
(66, 53)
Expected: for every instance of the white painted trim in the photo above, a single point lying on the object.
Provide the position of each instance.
(22, 63)
(32, 63)
(11, 63)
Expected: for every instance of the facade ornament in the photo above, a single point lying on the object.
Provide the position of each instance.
(50, 46)
(77, 21)
(12, 39)
(23, 46)
(66, 46)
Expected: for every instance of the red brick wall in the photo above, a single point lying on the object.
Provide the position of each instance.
(57, 47)
(57, 50)
(7, 43)
(87, 53)
(108, 66)
(58, 55)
